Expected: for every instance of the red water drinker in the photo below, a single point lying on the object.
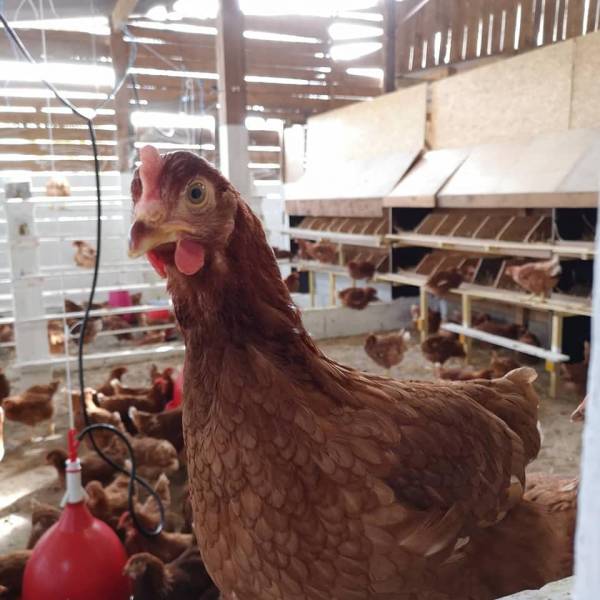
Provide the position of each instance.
(177, 392)
(78, 558)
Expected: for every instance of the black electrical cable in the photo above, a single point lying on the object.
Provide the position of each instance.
(90, 428)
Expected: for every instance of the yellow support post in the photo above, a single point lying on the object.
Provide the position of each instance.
(423, 323)
(332, 294)
(466, 321)
(556, 346)
(311, 288)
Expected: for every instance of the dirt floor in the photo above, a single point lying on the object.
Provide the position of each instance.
(24, 476)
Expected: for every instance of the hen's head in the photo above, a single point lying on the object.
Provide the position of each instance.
(184, 212)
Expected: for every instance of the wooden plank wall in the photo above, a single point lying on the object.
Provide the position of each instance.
(440, 32)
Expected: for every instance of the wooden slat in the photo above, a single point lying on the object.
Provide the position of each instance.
(562, 4)
(58, 133)
(458, 32)
(510, 29)
(537, 20)
(575, 18)
(591, 20)
(485, 30)
(527, 38)
(549, 21)
(55, 148)
(496, 38)
(405, 33)
(46, 165)
(473, 16)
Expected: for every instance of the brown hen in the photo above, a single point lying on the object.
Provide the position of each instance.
(43, 516)
(35, 405)
(85, 255)
(165, 425)
(387, 350)
(184, 578)
(434, 319)
(12, 566)
(92, 466)
(309, 479)
(442, 347)
(166, 546)
(292, 282)
(358, 298)
(538, 278)
(363, 269)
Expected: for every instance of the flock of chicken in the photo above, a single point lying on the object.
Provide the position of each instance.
(164, 567)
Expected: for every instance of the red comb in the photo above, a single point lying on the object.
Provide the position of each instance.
(149, 171)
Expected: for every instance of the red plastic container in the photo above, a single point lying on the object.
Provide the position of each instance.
(177, 392)
(120, 299)
(161, 315)
(78, 558)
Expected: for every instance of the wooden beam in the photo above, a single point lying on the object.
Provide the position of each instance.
(121, 12)
(120, 60)
(389, 45)
(231, 68)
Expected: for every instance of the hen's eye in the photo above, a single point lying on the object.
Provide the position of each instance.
(196, 193)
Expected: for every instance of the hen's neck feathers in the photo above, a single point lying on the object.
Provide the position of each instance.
(240, 300)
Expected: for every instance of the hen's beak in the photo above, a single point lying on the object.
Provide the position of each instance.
(144, 237)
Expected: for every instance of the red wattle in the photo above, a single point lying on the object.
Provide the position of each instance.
(189, 256)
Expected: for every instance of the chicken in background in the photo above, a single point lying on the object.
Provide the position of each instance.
(502, 365)
(443, 282)
(108, 503)
(575, 375)
(12, 567)
(506, 330)
(434, 319)
(56, 336)
(93, 467)
(358, 298)
(292, 282)
(165, 425)
(167, 545)
(281, 254)
(305, 249)
(7, 333)
(4, 386)
(34, 406)
(57, 187)
(538, 278)
(93, 326)
(153, 457)
(559, 496)
(96, 415)
(325, 252)
(363, 269)
(440, 348)
(116, 374)
(85, 255)
(387, 350)
(43, 516)
(421, 483)
(184, 578)
(152, 337)
(526, 337)
(116, 323)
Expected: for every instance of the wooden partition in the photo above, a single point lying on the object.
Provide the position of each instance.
(357, 154)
